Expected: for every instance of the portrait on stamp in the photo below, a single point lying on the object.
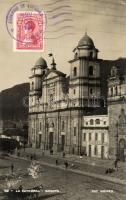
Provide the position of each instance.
(28, 31)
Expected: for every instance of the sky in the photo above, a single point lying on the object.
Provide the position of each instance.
(66, 23)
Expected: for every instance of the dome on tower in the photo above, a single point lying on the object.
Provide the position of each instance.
(86, 41)
(41, 63)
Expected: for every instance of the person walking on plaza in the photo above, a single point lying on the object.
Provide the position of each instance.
(116, 164)
(66, 164)
(63, 154)
(51, 151)
(20, 188)
(31, 157)
(12, 168)
(56, 162)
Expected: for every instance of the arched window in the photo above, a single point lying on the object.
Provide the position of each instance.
(40, 126)
(62, 125)
(111, 91)
(96, 136)
(116, 91)
(102, 102)
(103, 138)
(32, 85)
(114, 71)
(91, 122)
(75, 71)
(95, 150)
(84, 137)
(75, 131)
(43, 72)
(91, 71)
(91, 91)
(97, 121)
(89, 136)
(91, 54)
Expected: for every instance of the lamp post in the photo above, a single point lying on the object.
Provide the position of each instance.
(117, 136)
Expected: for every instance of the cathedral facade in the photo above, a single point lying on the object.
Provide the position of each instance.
(58, 103)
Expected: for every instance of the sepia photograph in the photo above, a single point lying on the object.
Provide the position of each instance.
(63, 99)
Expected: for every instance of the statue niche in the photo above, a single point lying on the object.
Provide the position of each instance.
(122, 117)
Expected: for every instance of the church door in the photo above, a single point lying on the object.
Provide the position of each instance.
(90, 150)
(62, 142)
(121, 149)
(40, 140)
(50, 140)
(102, 152)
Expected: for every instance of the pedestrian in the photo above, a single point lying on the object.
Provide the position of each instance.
(81, 154)
(107, 171)
(63, 154)
(18, 153)
(12, 168)
(31, 157)
(66, 164)
(51, 151)
(56, 162)
(20, 188)
(116, 164)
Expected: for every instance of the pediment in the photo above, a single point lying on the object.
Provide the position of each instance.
(53, 74)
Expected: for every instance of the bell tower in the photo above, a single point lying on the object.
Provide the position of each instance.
(85, 89)
(37, 73)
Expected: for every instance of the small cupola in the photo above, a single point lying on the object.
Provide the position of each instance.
(85, 48)
(86, 41)
(39, 66)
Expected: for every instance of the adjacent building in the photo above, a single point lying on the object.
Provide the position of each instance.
(117, 111)
(95, 136)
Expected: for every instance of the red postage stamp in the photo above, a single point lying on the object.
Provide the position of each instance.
(29, 27)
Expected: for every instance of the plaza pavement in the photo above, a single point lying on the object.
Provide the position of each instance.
(86, 166)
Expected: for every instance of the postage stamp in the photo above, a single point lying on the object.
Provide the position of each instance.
(29, 27)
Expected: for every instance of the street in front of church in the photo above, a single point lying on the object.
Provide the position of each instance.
(72, 186)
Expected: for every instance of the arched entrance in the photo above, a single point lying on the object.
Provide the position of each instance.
(51, 135)
(122, 146)
(102, 152)
(50, 140)
(62, 142)
(89, 151)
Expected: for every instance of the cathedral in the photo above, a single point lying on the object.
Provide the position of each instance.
(70, 113)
